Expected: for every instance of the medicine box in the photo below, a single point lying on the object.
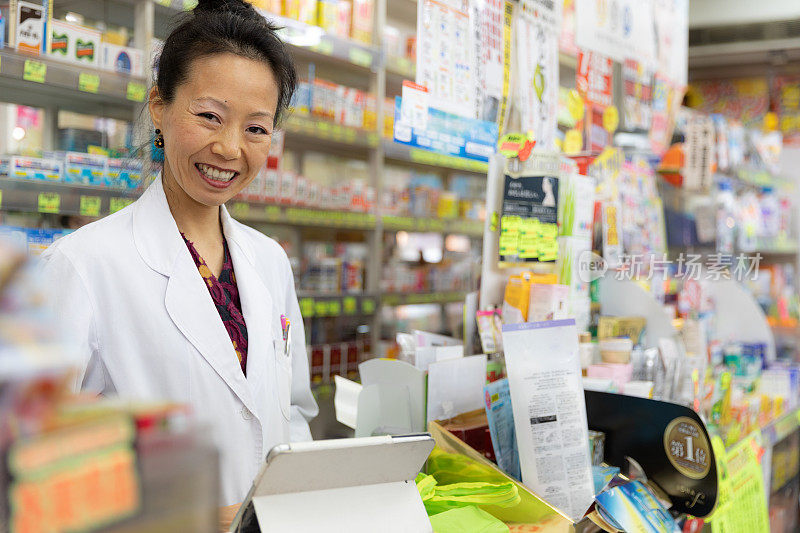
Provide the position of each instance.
(122, 59)
(35, 168)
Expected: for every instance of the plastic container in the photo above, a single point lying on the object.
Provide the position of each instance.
(616, 350)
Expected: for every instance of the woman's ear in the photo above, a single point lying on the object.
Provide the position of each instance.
(156, 107)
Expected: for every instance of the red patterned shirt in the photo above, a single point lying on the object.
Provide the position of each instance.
(225, 294)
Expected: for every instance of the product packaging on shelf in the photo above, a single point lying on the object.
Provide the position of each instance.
(124, 172)
(302, 10)
(36, 168)
(30, 28)
(87, 169)
(122, 59)
(334, 17)
(81, 44)
(274, 7)
(362, 21)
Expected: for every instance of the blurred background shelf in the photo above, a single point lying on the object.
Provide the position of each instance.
(34, 196)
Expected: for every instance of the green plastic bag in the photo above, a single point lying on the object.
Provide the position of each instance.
(440, 498)
(467, 519)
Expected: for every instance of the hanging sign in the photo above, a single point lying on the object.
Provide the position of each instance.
(446, 133)
(537, 77)
(487, 29)
(637, 95)
(618, 29)
(445, 56)
(671, 23)
(528, 223)
(593, 78)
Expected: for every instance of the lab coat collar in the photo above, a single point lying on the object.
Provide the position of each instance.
(187, 299)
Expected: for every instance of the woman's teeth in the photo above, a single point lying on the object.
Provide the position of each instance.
(215, 174)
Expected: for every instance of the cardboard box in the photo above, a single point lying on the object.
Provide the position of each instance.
(88, 169)
(35, 168)
(30, 28)
(363, 11)
(302, 10)
(122, 59)
(81, 44)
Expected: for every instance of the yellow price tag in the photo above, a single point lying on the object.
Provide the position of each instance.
(360, 57)
(351, 306)
(575, 105)
(115, 204)
(324, 47)
(49, 202)
(90, 206)
(610, 119)
(35, 71)
(1, 204)
(573, 141)
(88, 82)
(136, 91)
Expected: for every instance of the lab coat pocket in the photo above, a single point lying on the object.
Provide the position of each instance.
(283, 376)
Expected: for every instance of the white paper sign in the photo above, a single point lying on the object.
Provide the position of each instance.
(537, 79)
(619, 29)
(455, 386)
(446, 56)
(544, 376)
(671, 19)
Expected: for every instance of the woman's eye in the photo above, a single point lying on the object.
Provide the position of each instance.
(209, 116)
(257, 130)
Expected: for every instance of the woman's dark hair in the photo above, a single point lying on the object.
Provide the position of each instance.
(225, 26)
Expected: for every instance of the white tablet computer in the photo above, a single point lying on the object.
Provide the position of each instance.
(353, 485)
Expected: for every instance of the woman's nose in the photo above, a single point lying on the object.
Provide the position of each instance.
(227, 145)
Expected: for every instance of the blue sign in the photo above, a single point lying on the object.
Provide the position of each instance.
(448, 134)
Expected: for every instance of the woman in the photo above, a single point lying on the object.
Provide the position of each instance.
(170, 298)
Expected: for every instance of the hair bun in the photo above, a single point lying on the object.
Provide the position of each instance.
(218, 6)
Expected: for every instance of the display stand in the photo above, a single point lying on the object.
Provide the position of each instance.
(739, 317)
(628, 298)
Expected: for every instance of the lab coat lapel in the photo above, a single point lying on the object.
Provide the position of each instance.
(187, 300)
(257, 303)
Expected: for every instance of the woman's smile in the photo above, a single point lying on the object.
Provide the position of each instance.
(215, 176)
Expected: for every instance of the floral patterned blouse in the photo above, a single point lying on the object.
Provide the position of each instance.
(225, 294)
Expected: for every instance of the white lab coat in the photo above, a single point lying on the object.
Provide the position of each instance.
(128, 290)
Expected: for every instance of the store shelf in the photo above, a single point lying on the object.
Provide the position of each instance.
(394, 298)
(306, 39)
(400, 152)
(41, 81)
(304, 127)
(34, 196)
(781, 428)
(299, 216)
(460, 226)
(335, 305)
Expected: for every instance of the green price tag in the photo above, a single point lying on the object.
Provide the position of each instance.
(372, 138)
(115, 204)
(90, 206)
(241, 209)
(188, 5)
(88, 82)
(360, 57)
(307, 307)
(368, 306)
(1, 205)
(334, 308)
(49, 202)
(324, 128)
(350, 305)
(34, 71)
(273, 212)
(321, 308)
(165, 3)
(136, 91)
(324, 47)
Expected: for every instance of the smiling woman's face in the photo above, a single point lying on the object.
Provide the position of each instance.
(218, 128)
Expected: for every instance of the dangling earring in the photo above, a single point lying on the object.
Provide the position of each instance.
(158, 142)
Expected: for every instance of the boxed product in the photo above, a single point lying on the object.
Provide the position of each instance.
(88, 169)
(362, 21)
(35, 168)
(286, 187)
(548, 302)
(371, 113)
(122, 59)
(334, 17)
(74, 43)
(388, 118)
(301, 99)
(30, 27)
(325, 100)
(271, 184)
(353, 108)
(5, 164)
(123, 172)
(271, 6)
(302, 10)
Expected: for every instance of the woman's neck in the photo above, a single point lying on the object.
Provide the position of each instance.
(198, 222)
